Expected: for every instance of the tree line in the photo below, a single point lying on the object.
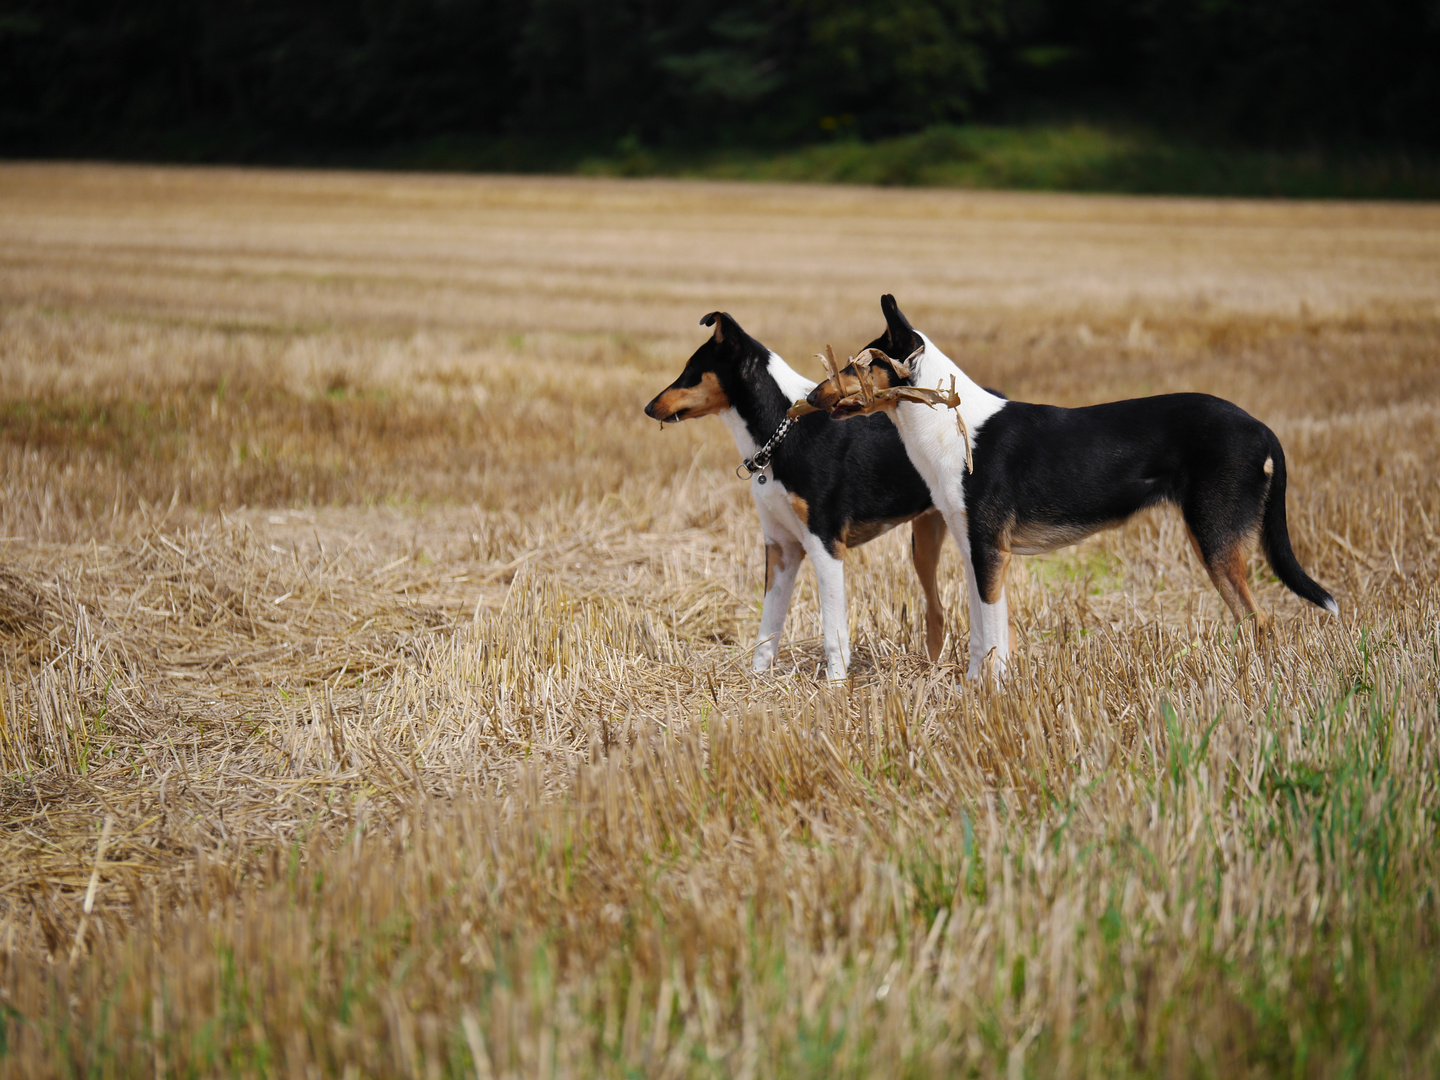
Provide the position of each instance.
(272, 74)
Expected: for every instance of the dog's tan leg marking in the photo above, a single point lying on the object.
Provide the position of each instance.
(927, 536)
(774, 560)
(1227, 571)
(1195, 546)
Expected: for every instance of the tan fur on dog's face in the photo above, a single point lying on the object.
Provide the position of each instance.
(676, 403)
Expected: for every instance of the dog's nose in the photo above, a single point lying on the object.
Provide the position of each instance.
(650, 410)
(810, 397)
(802, 407)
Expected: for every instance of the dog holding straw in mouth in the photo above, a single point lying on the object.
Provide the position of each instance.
(1016, 478)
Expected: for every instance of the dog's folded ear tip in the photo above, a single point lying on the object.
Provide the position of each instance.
(717, 319)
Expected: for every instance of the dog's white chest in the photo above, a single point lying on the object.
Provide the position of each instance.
(937, 450)
(778, 517)
(933, 440)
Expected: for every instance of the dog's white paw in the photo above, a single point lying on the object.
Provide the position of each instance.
(992, 666)
(763, 659)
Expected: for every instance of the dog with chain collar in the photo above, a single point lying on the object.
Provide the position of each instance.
(1015, 478)
(821, 486)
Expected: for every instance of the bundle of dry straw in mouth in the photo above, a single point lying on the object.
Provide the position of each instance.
(867, 395)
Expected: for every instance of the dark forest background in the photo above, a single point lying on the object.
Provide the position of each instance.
(550, 80)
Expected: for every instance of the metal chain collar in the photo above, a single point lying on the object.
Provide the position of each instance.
(761, 458)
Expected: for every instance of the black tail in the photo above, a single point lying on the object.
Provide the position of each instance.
(1275, 538)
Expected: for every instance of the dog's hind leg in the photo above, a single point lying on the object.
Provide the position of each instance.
(1227, 571)
(782, 563)
(927, 535)
(1224, 509)
(1225, 562)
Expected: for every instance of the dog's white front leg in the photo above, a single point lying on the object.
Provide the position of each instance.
(830, 576)
(978, 646)
(996, 620)
(989, 623)
(782, 563)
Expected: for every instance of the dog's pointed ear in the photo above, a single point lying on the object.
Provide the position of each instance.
(898, 332)
(731, 342)
(724, 325)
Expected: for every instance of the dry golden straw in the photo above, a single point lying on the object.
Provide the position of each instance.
(374, 692)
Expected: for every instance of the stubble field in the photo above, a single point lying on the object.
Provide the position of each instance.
(375, 694)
